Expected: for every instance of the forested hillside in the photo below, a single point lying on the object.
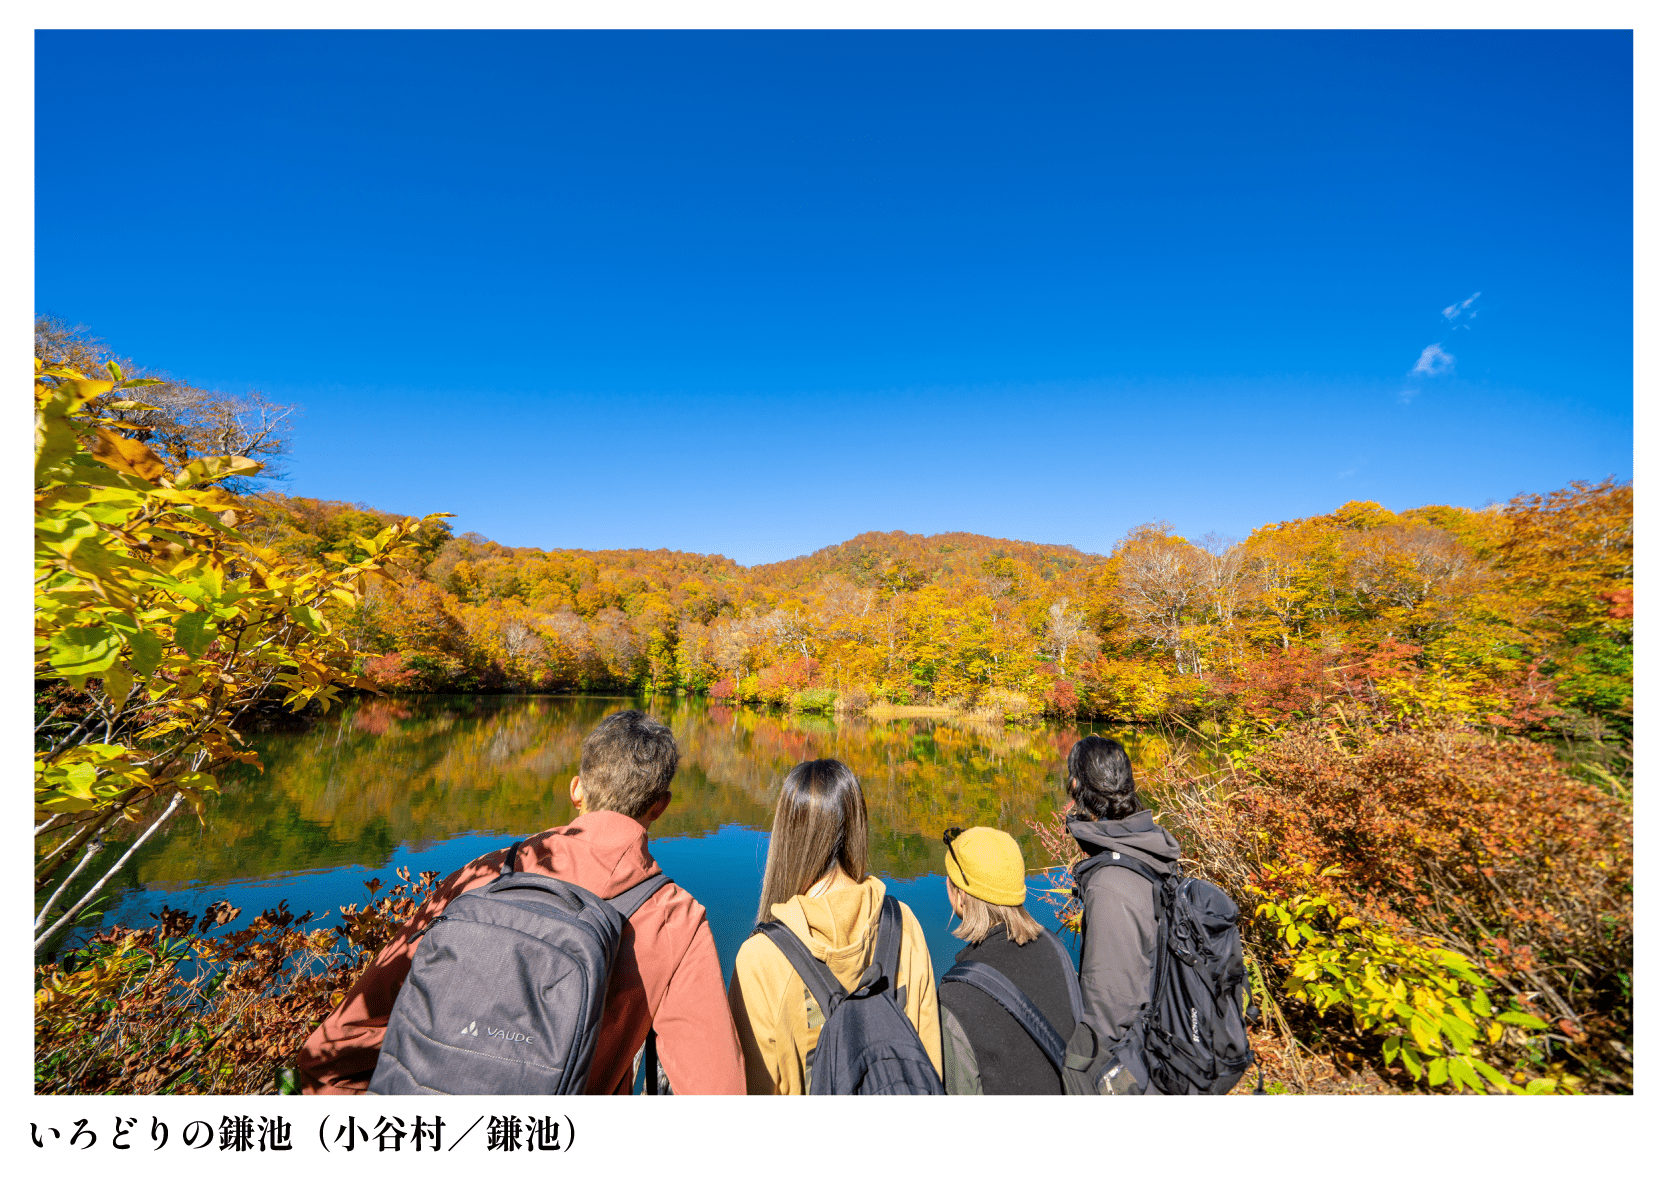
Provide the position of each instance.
(1515, 617)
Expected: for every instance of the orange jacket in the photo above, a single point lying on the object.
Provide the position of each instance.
(667, 973)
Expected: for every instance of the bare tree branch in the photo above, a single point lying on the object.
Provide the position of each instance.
(92, 892)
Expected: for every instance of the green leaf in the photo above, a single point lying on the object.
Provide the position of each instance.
(84, 650)
(68, 804)
(212, 579)
(1439, 1071)
(91, 558)
(196, 782)
(118, 682)
(1521, 1019)
(54, 442)
(309, 618)
(79, 779)
(1459, 1033)
(193, 633)
(1489, 1071)
(1461, 1072)
(147, 652)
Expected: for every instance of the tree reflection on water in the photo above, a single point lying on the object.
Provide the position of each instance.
(417, 770)
(385, 780)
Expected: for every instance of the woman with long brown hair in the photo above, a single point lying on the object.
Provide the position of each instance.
(818, 888)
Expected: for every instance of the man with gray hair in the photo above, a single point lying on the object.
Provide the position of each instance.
(667, 976)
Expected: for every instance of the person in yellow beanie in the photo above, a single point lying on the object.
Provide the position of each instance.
(987, 1048)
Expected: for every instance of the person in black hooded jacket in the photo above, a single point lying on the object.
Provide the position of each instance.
(1120, 925)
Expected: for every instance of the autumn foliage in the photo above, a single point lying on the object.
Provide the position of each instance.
(1417, 845)
(183, 1007)
(1451, 829)
(1517, 618)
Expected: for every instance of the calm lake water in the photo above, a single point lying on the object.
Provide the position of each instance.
(430, 782)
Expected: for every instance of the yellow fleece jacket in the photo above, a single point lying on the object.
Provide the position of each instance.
(776, 1018)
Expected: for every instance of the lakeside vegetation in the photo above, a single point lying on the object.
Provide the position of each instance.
(1419, 785)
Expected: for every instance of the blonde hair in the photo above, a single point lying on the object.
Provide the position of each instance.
(821, 824)
(979, 918)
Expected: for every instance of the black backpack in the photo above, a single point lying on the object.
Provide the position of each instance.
(867, 1044)
(1018, 1004)
(1191, 1036)
(506, 989)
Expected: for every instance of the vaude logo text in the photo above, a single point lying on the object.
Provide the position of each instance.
(501, 1033)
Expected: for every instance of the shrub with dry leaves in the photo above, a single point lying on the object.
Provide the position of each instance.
(176, 1008)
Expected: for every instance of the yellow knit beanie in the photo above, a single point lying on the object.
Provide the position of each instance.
(987, 863)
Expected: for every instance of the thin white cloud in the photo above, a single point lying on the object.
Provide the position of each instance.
(1461, 310)
(1433, 362)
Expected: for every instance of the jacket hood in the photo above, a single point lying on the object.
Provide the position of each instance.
(603, 851)
(1136, 835)
(839, 926)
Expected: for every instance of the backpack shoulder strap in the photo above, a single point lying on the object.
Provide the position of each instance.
(816, 976)
(1073, 988)
(1015, 1002)
(625, 903)
(629, 901)
(888, 945)
(1083, 868)
(1081, 871)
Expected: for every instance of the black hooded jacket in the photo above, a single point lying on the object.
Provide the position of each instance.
(1120, 927)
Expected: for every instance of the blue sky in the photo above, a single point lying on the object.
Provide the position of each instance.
(756, 293)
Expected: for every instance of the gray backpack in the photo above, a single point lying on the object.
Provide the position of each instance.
(506, 989)
(1190, 1037)
(867, 1044)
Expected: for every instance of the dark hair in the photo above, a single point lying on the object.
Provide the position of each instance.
(821, 824)
(626, 763)
(1105, 782)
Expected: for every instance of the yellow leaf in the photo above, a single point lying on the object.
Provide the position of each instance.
(1424, 1033)
(126, 455)
(85, 390)
(118, 682)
